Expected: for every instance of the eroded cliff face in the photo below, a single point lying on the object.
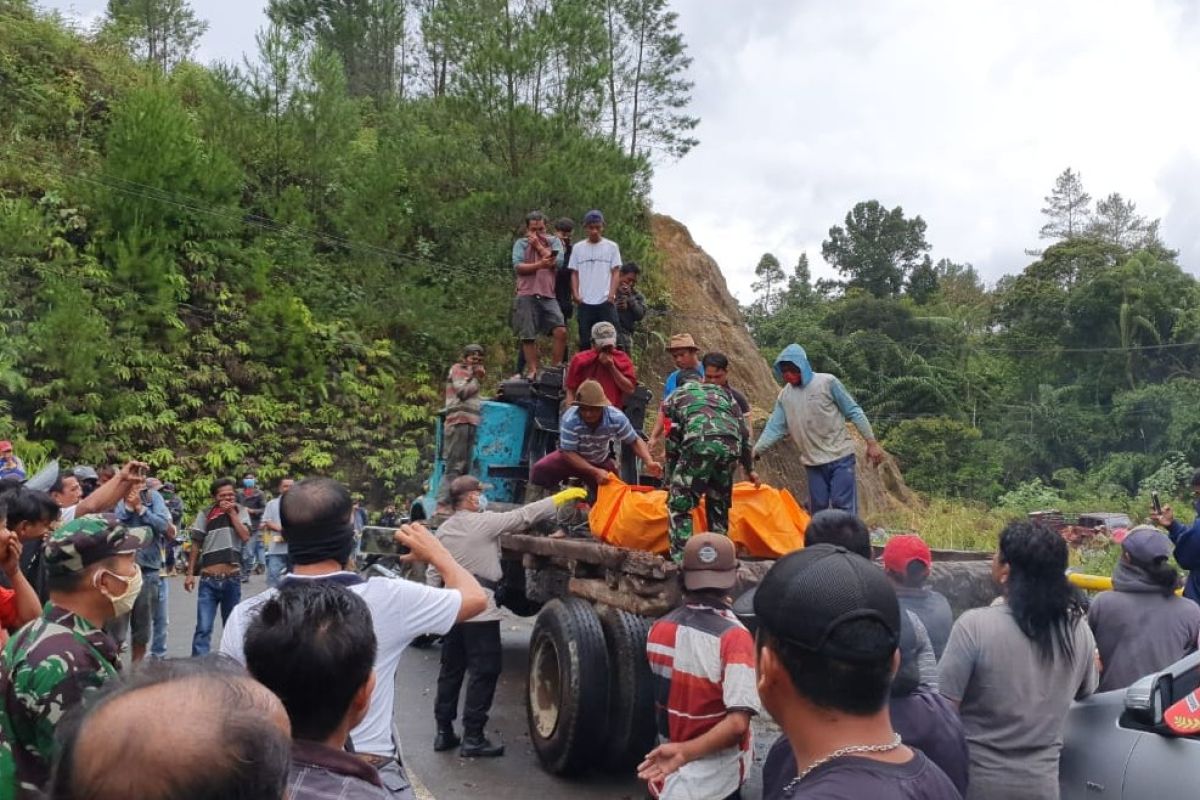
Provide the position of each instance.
(702, 305)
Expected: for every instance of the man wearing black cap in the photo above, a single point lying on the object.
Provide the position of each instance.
(315, 516)
(703, 664)
(827, 629)
(462, 409)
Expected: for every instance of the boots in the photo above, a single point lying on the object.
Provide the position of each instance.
(446, 739)
(476, 745)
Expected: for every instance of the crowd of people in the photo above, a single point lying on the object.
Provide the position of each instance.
(878, 689)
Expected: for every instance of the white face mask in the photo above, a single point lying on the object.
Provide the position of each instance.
(122, 603)
(483, 501)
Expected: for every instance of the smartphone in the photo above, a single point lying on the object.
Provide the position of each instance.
(1156, 502)
(379, 541)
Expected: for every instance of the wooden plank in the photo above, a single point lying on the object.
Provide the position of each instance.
(597, 591)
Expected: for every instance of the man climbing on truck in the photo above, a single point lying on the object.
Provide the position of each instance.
(585, 435)
(708, 438)
(814, 408)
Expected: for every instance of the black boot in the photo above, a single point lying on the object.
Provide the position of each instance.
(476, 745)
(446, 739)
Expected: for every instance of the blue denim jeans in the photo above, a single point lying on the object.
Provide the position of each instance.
(158, 643)
(276, 569)
(211, 594)
(832, 486)
(253, 552)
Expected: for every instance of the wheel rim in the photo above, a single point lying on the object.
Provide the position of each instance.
(545, 688)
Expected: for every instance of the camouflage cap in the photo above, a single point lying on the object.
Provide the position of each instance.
(86, 540)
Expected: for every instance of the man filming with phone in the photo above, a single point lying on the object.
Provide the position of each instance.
(315, 516)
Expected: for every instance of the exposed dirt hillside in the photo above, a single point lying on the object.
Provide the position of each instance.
(702, 306)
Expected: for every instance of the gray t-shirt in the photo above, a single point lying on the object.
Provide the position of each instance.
(934, 610)
(277, 546)
(1013, 703)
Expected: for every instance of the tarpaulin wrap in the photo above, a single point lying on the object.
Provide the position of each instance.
(764, 522)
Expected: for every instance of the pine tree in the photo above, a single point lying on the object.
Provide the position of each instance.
(1116, 221)
(770, 276)
(1067, 208)
(161, 32)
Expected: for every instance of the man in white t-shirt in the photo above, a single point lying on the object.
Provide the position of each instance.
(315, 517)
(595, 273)
(68, 493)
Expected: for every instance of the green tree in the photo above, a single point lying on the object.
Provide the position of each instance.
(1067, 208)
(770, 279)
(1117, 222)
(160, 32)
(922, 282)
(877, 248)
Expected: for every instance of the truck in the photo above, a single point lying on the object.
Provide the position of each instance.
(589, 689)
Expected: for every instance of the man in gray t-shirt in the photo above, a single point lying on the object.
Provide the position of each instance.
(272, 525)
(1013, 702)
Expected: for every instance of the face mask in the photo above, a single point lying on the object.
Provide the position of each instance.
(248, 483)
(122, 603)
(483, 501)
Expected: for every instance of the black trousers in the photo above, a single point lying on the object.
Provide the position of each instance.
(470, 647)
(588, 316)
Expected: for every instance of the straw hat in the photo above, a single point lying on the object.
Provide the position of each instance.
(591, 394)
(682, 341)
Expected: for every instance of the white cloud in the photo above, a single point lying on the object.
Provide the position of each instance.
(961, 112)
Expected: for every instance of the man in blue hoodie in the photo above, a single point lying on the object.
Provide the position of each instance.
(814, 408)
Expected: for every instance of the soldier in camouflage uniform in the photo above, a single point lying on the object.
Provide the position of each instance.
(708, 437)
(49, 665)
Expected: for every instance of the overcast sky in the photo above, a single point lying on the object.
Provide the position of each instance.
(962, 112)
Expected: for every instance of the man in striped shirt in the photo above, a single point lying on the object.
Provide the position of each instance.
(585, 433)
(704, 683)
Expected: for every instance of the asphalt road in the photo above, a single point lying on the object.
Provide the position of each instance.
(445, 775)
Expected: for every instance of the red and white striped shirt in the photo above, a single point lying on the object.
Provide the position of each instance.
(703, 664)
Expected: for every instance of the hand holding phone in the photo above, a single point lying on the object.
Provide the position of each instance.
(1156, 502)
(381, 541)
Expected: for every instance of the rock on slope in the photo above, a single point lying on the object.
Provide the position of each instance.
(702, 306)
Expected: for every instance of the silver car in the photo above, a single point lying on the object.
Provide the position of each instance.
(1117, 745)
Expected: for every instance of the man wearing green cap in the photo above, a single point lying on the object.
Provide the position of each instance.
(49, 665)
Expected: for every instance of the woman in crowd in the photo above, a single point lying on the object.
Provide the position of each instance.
(1014, 667)
(1141, 626)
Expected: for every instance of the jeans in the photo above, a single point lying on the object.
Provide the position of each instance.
(253, 552)
(213, 592)
(472, 647)
(832, 485)
(142, 616)
(158, 644)
(276, 568)
(589, 315)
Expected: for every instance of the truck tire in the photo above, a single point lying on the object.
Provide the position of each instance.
(568, 686)
(631, 724)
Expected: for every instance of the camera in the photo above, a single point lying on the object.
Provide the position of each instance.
(379, 541)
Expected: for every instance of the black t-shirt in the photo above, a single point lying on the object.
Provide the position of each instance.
(858, 777)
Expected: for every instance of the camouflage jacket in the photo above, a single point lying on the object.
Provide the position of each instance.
(45, 670)
(705, 412)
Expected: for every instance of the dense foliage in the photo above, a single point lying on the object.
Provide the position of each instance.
(270, 265)
(1074, 379)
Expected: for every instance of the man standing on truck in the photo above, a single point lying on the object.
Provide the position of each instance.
(463, 404)
(702, 658)
(605, 364)
(536, 257)
(585, 434)
(707, 440)
(686, 355)
(814, 407)
(473, 646)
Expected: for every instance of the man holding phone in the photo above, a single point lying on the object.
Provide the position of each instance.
(605, 364)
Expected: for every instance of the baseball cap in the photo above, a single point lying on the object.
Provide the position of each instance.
(86, 540)
(1146, 545)
(593, 217)
(85, 473)
(604, 334)
(809, 595)
(5, 446)
(709, 562)
(900, 551)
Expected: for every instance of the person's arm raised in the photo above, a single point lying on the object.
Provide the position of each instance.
(108, 494)
(425, 547)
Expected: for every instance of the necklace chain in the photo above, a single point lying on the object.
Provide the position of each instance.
(843, 751)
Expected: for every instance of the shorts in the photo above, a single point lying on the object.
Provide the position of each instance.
(534, 316)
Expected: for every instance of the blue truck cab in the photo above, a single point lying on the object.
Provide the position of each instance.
(515, 430)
